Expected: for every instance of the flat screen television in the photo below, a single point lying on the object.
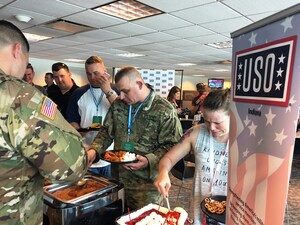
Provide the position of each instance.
(216, 83)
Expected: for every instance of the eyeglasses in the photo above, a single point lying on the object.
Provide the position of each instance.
(59, 65)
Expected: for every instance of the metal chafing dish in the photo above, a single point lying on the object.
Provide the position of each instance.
(101, 206)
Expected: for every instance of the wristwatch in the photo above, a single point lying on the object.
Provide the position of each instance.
(110, 93)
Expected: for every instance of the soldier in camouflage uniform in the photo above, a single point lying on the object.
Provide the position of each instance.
(155, 129)
(35, 140)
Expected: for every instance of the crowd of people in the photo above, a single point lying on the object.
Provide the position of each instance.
(40, 137)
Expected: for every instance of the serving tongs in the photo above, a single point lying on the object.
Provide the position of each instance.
(161, 202)
(168, 204)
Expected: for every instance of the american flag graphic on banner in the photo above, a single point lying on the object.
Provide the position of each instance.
(48, 108)
(263, 122)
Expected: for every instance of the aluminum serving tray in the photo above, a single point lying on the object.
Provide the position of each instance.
(59, 203)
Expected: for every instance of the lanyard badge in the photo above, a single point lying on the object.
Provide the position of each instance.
(129, 145)
(96, 118)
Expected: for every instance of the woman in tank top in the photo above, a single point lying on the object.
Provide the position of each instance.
(209, 141)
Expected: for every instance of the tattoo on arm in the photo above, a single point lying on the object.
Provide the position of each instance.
(186, 135)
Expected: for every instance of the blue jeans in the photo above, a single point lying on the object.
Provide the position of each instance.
(105, 170)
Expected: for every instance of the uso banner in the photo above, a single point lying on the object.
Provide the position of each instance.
(265, 94)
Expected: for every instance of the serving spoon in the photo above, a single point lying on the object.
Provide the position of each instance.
(81, 183)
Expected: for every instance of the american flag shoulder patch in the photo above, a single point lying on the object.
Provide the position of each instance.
(48, 108)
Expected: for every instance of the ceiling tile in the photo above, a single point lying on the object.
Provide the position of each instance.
(128, 41)
(228, 25)
(206, 13)
(174, 5)
(151, 46)
(38, 46)
(258, 6)
(54, 8)
(108, 44)
(9, 12)
(257, 17)
(157, 37)
(70, 50)
(129, 29)
(80, 39)
(94, 19)
(64, 42)
(4, 2)
(190, 31)
(181, 43)
(162, 22)
(209, 39)
(91, 47)
(88, 4)
(101, 35)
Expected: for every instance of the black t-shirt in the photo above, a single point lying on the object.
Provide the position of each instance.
(62, 100)
(52, 90)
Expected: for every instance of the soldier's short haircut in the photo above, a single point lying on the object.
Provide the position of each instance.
(59, 65)
(127, 71)
(10, 34)
(49, 74)
(93, 59)
(218, 100)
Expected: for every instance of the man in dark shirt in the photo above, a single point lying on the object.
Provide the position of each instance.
(66, 84)
(29, 76)
(50, 86)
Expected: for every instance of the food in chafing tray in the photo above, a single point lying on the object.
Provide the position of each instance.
(119, 156)
(76, 191)
(154, 215)
(95, 125)
(215, 206)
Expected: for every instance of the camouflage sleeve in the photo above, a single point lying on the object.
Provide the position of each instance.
(44, 137)
(105, 135)
(170, 133)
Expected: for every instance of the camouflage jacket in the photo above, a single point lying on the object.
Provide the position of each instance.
(155, 130)
(32, 147)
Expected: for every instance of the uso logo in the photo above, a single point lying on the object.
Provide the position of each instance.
(263, 74)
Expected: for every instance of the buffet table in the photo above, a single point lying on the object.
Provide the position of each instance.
(101, 206)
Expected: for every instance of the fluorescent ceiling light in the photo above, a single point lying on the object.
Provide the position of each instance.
(35, 37)
(130, 55)
(68, 26)
(200, 75)
(220, 45)
(221, 70)
(128, 10)
(75, 60)
(186, 64)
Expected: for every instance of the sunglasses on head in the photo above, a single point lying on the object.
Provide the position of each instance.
(59, 65)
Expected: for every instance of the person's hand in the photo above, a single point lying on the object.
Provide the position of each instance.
(163, 184)
(104, 82)
(142, 163)
(91, 156)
